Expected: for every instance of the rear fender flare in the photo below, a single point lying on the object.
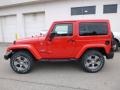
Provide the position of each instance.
(83, 50)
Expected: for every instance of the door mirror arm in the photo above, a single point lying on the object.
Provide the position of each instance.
(52, 35)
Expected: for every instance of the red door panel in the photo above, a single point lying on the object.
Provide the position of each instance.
(61, 47)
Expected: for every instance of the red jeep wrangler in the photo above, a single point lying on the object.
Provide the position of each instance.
(87, 41)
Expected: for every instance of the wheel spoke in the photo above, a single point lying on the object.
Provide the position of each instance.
(96, 58)
(88, 64)
(20, 68)
(90, 58)
(93, 66)
(18, 58)
(25, 65)
(98, 62)
(16, 63)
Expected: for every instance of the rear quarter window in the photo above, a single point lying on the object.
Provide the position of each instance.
(93, 28)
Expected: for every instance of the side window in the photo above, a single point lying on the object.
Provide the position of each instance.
(63, 30)
(93, 28)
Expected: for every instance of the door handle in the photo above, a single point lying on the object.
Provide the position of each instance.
(73, 39)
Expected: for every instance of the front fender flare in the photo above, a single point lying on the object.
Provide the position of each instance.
(30, 48)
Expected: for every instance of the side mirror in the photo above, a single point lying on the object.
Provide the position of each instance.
(52, 35)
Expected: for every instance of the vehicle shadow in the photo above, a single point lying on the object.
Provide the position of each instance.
(57, 66)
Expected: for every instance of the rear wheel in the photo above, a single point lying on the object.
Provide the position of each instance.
(115, 45)
(92, 61)
(21, 62)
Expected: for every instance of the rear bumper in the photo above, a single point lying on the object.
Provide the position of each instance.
(8, 55)
(119, 44)
(110, 55)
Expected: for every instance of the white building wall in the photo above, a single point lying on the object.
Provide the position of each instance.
(61, 10)
(9, 2)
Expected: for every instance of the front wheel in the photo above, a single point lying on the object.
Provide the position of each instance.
(21, 62)
(92, 61)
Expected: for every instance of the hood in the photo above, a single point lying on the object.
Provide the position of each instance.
(30, 40)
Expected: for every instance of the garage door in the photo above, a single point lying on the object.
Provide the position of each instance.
(34, 24)
(1, 38)
(9, 28)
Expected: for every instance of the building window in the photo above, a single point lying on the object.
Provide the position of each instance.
(112, 8)
(83, 10)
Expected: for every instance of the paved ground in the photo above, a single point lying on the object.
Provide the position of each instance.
(60, 76)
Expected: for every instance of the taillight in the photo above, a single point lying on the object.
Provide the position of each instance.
(107, 42)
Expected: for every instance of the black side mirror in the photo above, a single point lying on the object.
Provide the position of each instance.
(52, 35)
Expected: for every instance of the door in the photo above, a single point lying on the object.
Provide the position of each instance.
(1, 37)
(34, 24)
(9, 28)
(63, 44)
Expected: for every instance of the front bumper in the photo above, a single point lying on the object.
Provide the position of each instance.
(8, 55)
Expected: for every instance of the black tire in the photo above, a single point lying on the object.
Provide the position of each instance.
(25, 58)
(88, 66)
(115, 45)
